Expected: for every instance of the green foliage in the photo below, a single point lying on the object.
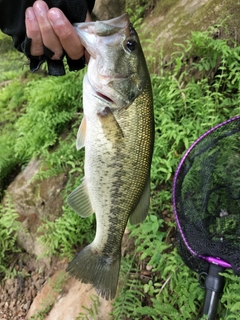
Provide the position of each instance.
(178, 286)
(58, 282)
(5, 43)
(12, 62)
(61, 236)
(230, 297)
(11, 99)
(51, 104)
(171, 285)
(64, 158)
(45, 309)
(149, 240)
(34, 112)
(136, 12)
(8, 228)
(92, 312)
(185, 107)
(130, 295)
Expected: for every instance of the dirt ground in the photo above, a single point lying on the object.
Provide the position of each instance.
(17, 295)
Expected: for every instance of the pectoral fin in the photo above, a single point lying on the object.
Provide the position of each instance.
(81, 135)
(141, 211)
(110, 125)
(79, 201)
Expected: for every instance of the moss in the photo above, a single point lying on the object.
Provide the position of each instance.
(5, 43)
(164, 6)
(172, 22)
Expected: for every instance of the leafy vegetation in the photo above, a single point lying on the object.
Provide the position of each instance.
(50, 104)
(196, 90)
(65, 234)
(8, 228)
(90, 313)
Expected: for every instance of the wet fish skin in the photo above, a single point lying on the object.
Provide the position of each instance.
(117, 132)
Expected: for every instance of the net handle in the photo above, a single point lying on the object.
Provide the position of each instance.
(214, 284)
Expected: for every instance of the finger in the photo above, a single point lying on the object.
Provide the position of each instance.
(88, 17)
(49, 38)
(66, 33)
(33, 32)
(87, 55)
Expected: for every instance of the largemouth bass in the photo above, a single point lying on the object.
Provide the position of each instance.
(117, 132)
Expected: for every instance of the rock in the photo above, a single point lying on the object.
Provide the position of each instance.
(171, 22)
(108, 9)
(35, 200)
(78, 296)
(38, 284)
(43, 298)
(27, 305)
(73, 299)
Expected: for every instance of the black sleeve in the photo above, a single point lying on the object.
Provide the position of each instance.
(12, 22)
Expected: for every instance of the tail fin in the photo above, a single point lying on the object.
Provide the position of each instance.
(100, 271)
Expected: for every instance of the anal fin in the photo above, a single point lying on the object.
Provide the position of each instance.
(141, 210)
(79, 201)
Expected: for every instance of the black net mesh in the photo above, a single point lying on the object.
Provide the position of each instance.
(206, 198)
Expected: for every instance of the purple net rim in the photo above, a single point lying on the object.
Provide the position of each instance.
(214, 260)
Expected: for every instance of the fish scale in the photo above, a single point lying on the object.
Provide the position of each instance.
(117, 132)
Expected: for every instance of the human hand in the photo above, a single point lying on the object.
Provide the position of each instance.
(52, 33)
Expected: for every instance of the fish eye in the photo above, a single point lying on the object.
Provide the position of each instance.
(131, 45)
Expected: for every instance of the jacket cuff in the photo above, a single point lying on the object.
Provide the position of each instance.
(75, 65)
(55, 67)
